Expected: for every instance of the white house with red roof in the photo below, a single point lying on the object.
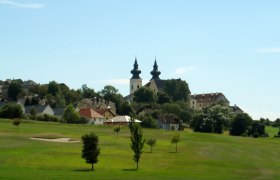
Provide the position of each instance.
(92, 116)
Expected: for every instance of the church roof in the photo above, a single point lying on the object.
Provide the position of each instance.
(160, 84)
(209, 98)
(135, 71)
(155, 72)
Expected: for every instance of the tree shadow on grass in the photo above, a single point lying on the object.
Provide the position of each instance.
(83, 170)
(133, 169)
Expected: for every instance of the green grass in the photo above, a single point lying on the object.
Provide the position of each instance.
(200, 156)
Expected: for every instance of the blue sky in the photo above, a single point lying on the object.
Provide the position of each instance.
(216, 46)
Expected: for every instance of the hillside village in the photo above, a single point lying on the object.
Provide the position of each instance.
(102, 107)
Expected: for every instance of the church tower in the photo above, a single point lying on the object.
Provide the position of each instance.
(135, 81)
(155, 72)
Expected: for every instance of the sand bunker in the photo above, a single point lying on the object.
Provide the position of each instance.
(61, 140)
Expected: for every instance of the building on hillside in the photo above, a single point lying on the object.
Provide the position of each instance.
(97, 104)
(40, 109)
(199, 101)
(156, 84)
(236, 109)
(58, 112)
(120, 121)
(135, 81)
(92, 116)
(169, 122)
(107, 113)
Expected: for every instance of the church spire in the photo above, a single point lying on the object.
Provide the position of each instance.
(135, 71)
(155, 72)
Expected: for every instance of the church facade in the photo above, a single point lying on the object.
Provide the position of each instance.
(155, 84)
(197, 101)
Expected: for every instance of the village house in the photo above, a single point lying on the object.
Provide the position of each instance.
(58, 112)
(199, 101)
(97, 104)
(120, 121)
(107, 113)
(236, 109)
(92, 116)
(40, 109)
(169, 122)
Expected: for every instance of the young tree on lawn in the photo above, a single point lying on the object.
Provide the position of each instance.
(137, 141)
(16, 122)
(90, 150)
(117, 130)
(151, 142)
(175, 139)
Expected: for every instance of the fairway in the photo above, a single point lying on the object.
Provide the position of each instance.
(200, 156)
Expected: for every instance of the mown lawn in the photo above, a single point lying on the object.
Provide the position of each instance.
(200, 156)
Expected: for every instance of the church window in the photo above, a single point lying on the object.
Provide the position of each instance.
(131, 87)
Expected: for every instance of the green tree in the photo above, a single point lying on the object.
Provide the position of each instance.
(53, 88)
(163, 98)
(88, 92)
(60, 100)
(214, 119)
(70, 115)
(221, 117)
(276, 123)
(177, 90)
(240, 124)
(151, 142)
(117, 130)
(16, 122)
(144, 95)
(34, 101)
(108, 92)
(257, 129)
(171, 108)
(91, 149)
(175, 140)
(125, 108)
(72, 96)
(33, 111)
(14, 90)
(137, 140)
(11, 111)
(148, 121)
(27, 102)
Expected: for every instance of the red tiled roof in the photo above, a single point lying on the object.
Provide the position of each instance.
(103, 111)
(90, 113)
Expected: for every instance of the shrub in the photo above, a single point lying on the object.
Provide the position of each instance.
(240, 124)
(47, 118)
(256, 134)
(11, 111)
(148, 121)
(16, 122)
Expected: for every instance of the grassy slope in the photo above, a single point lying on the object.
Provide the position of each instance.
(200, 156)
